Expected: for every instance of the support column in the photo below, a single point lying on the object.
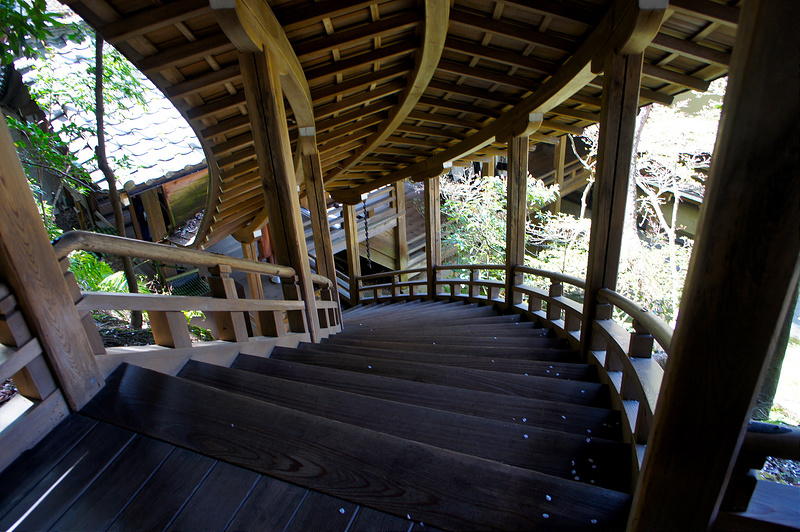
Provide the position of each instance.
(400, 235)
(353, 255)
(29, 266)
(273, 150)
(743, 269)
(621, 79)
(433, 232)
(516, 213)
(558, 165)
(318, 207)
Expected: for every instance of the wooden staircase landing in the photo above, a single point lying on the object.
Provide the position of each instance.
(445, 414)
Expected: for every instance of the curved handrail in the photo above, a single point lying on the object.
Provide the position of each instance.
(555, 276)
(657, 327)
(126, 247)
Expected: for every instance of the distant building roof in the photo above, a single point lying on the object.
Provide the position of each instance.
(156, 139)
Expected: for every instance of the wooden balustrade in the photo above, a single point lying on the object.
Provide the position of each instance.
(235, 320)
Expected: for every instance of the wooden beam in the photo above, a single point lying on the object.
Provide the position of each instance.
(184, 53)
(361, 60)
(261, 77)
(505, 29)
(617, 26)
(433, 232)
(558, 165)
(400, 232)
(204, 81)
(516, 214)
(500, 56)
(745, 260)
(262, 28)
(28, 265)
(353, 254)
(617, 125)
(719, 13)
(692, 50)
(318, 208)
(153, 19)
(360, 82)
(434, 35)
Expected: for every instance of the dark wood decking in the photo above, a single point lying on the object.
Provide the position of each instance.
(90, 476)
(438, 423)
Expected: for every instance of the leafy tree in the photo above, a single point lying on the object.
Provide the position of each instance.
(24, 27)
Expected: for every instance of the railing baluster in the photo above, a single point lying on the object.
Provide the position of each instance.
(553, 309)
(170, 329)
(231, 325)
(641, 343)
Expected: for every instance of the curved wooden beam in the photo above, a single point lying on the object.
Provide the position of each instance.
(437, 13)
(252, 26)
(623, 27)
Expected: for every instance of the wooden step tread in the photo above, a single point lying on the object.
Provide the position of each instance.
(507, 351)
(435, 311)
(547, 451)
(559, 370)
(428, 332)
(408, 337)
(439, 320)
(604, 423)
(582, 393)
(380, 471)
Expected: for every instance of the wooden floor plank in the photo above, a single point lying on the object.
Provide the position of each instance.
(68, 479)
(217, 500)
(410, 338)
(19, 478)
(322, 513)
(99, 505)
(581, 393)
(556, 370)
(569, 456)
(603, 422)
(369, 520)
(271, 506)
(162, 497)
(370, 468)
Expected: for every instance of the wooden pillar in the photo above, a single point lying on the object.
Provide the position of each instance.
(433, 232)
(743, 268)
(400, 234)
(558, 164)
(621, 79)
(273, 149)
(488, 167)
(318, 207)
(353, 254)
(516, 213)
(29, 266)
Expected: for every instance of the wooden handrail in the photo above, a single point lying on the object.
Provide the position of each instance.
(389, 274)
(471, 267)
(555, 276)
(125, 247)
(657, 327)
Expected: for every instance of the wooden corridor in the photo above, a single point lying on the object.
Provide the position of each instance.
(461, 419)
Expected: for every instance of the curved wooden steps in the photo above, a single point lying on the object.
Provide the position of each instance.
(470, 435)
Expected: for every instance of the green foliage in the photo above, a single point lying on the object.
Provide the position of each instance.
(89, 270)
(95, 275)
(43, 149)
(24, 26)
(476, 215)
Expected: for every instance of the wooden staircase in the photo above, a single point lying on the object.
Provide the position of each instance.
(443, 413)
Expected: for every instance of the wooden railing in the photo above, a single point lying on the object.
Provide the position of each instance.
(234, 319)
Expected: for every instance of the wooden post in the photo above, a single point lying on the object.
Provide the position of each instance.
(516, 214)
(400, 234)
(353, 254)
(318, 207)
(273, 149)
(29, 266)
(558, 164)
(433, 232)
(231, 325)
(743, 269)
(621, 80)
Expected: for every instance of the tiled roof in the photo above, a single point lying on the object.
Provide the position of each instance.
(156, 139)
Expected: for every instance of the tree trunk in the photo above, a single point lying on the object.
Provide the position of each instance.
(770, 385)
(102, 163)
(630, 233)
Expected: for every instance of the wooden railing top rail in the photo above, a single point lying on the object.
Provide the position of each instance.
(555, 276)
(471, 267)
(125, 247)
(657, 327)
(389, 274)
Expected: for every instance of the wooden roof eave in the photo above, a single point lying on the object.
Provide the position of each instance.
(625, 28)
